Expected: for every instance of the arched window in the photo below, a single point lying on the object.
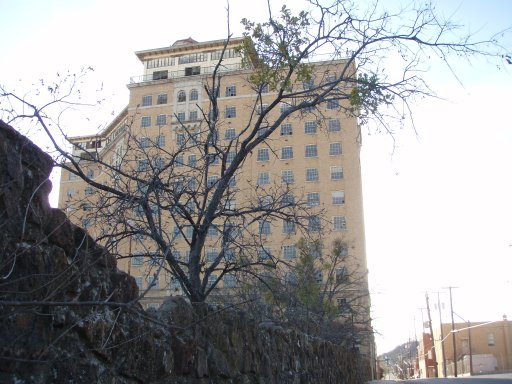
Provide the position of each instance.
(193, 95)
(182, 96)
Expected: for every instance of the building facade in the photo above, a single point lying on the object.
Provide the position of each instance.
(480, 347)
(313, 156)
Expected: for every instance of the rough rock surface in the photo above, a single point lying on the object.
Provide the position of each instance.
(68, 315)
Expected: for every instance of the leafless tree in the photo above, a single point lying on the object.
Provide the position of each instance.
(150, 192)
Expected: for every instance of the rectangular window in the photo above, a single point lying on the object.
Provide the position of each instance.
(264, 253)
(142, 165)
(343, 305)
(138, 281)
(336, 173)
(230, 204)
(490, 340)
(160, 141)
(229, 281)
(319, 277)
(333, 104)
(341, 275)
(160, 62)
(231, 90)
(311, 150)
(334, 125)
(193, 58)
(227, 54)
(285, 107)
(179, 161)
(264, 227)
(287, 200)
(287, 176)
(192, 160)
(211, 254)
(212, 159)
(308, 84)
(286, 153)
(263, 154)
(313, 198)
(88, 191)
(286, 129)
(315, 249)
(160, 75)
(161, 120)
(180, 138)
(90, 173)
(159, 163)
(310, 127)
(230, 134)
(314, 224)
(144, 142)
(339, 223)
(191, 71)
(192, 184)
(230, 156)
(72, 176)
(137, 260)
(192, 115)
(338, 197)
(180, 116)
(147, 101)
(212, 279)
(262, 131)
(264, 201)
(230, 112)
(334, 149)
(261, 108)
(189, 231)
(145, 121)
(229, 254)
(311, 174)
(213, 231)
(288, 226)
(263, 178)
(211, 180)
(289, 252)
(162, 99)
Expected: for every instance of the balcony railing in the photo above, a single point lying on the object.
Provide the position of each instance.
(197, 71)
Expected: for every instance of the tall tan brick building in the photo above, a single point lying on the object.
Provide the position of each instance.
(314, 155)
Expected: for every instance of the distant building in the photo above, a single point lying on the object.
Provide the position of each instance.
(481, 347)
(426, 356)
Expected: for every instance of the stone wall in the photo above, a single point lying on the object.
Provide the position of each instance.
(68, 315)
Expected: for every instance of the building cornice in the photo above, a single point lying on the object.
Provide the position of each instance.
(186, 47)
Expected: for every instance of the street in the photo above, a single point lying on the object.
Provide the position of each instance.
(485, 379)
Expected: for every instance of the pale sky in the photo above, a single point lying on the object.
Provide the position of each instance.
(438, 202)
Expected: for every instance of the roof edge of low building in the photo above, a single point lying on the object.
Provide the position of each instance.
(114, 123)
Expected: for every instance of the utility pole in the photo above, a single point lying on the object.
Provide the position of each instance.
(470, 351)
(442, 335)
(453, 334)
(434, 357)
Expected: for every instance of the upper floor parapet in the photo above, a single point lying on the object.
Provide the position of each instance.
(188, 57)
